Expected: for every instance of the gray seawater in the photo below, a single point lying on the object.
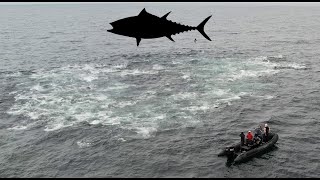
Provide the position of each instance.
(78, 101)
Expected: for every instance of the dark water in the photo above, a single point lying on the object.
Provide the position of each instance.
(78, 101)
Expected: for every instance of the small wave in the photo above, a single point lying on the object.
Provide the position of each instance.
(292, 66)
(122, 140)
(120, 66)
(276, 58)
(244, 73)
(136, 72)
(56, 126)
(83, 144)
(19, 127)
(95, 122)
(145, 132)
(221, 92)
(197, 108)
(37, 88)
(157, 67)
(88, 78)
(123, 104)
(280, 56)
(264, 97)
(231, 98)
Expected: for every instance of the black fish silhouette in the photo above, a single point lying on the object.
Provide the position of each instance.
(148, 26)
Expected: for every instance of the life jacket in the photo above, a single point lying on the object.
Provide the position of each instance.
(249, 136)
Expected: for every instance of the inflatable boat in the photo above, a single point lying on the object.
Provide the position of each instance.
(241, 154)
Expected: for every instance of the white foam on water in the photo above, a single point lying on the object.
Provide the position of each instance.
(220, 92)
(157, 67)
(264, 61)
(161, 116)
(280, 56)
(298, 66)
(115, 120)
(119, 86)
(87, 67)
(37, 87)
(68, 101)
(176, 62)
(84, 116)
(186, 76)
(123, 104)
(33, 115)
(21, 96)
(110, 70)
(145, 132)
(197, 108)
(13, 92)
(295, 66)
(264, 97)
(88, 78)
(19, 127)
(244, 73)
(135, 72)
(83, 144)
(120, 66)
(55, 126)
(229, 99)
(260, 58)
(95, 122)
(122, 140)
(101, 97)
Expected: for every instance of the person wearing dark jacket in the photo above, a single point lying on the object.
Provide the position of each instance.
(258, 132)
(266, 132)
(242, 138)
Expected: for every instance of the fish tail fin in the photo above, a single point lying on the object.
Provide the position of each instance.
(200, 28)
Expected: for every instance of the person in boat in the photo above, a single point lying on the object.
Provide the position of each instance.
(257, 141)
(249, 138)
(266, 132)
(242, 138)
(258, 132)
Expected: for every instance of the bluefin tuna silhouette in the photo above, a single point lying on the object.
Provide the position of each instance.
(149, 26)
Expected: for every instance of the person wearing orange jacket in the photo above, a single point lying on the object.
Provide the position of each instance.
(249, 138)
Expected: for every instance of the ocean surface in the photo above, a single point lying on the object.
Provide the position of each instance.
(78, 101)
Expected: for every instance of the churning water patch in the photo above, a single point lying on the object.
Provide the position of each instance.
(94, 93)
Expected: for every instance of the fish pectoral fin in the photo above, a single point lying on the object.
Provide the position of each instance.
(169, 37)
(138, 41)
(166, 15)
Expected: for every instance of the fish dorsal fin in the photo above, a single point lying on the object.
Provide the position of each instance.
(169, 37)
(138, 41)
(143, 12)
(166, 15)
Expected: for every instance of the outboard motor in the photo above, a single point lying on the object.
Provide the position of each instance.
(230, 151)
